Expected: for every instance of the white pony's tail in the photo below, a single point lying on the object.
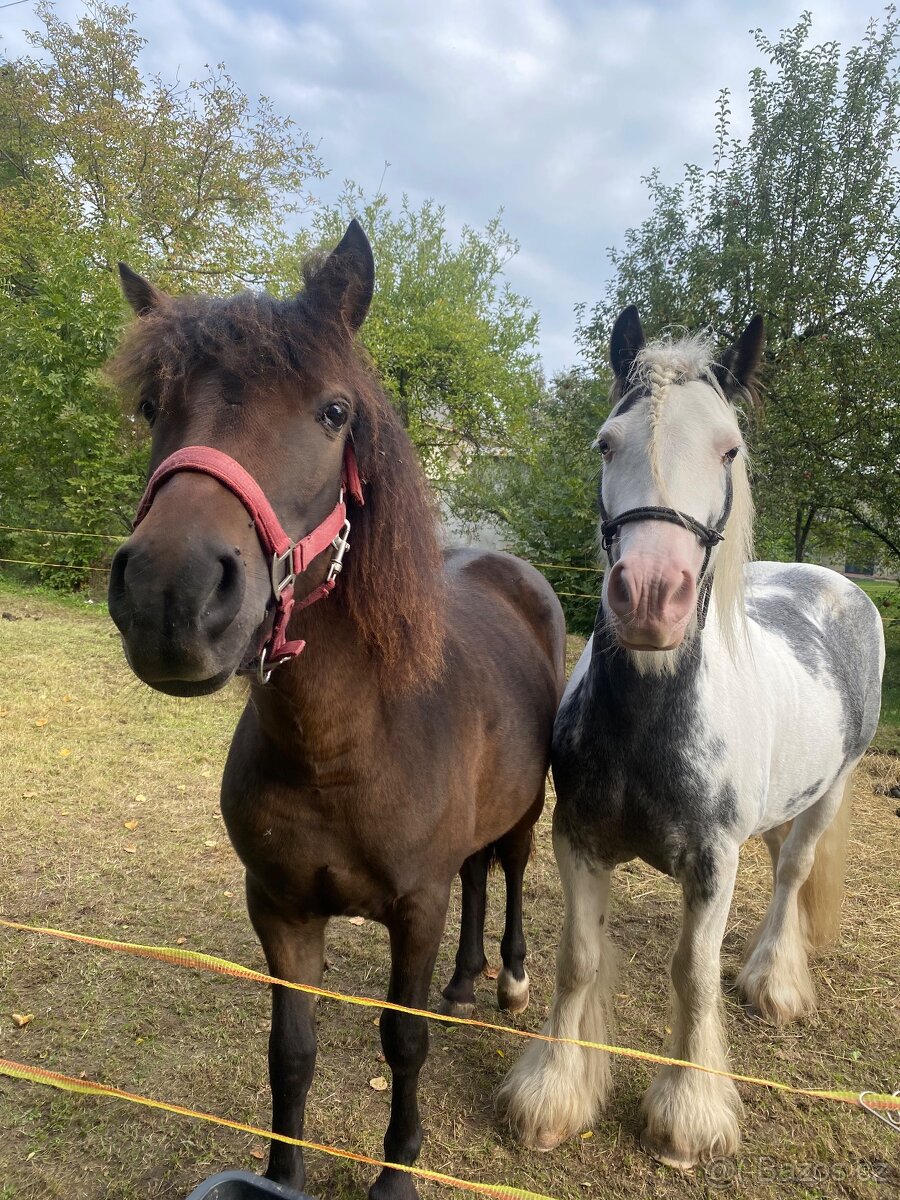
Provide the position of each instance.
(820, 897)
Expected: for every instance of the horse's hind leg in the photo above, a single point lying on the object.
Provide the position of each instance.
(459, 994)
(294, 951)
(513, 851)
(415, 932)
(555, 1089)
(775, 980)
(692, 1115)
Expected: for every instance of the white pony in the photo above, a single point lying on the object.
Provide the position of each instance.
(716, 700)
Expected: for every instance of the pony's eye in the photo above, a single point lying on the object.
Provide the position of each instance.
(147, 410)
(334, 417)
(604, 447)
(731, 455)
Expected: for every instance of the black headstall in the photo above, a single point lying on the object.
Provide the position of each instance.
(708, 535)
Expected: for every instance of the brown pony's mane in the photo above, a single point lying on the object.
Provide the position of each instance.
(392, 583)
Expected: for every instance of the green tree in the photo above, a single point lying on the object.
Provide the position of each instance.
(191, 183)
(190, 180)
(800, 220)
(541, 495)
(454, 345)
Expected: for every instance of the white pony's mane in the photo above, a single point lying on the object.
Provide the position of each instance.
(659, 366)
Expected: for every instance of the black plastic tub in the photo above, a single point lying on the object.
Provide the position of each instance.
(242, 1185)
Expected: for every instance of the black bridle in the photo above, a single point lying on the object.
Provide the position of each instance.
(707, 535)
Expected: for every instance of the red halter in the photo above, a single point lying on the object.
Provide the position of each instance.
(288, 558)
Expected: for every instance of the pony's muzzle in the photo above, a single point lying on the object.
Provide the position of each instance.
(652, 601)
(179, 613)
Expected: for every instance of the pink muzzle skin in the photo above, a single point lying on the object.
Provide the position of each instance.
(287, 559)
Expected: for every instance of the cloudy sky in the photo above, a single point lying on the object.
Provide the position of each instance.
(552, 110)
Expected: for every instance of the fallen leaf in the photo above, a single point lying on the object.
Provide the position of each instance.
(65, 752)
(67, 699)
(140, 798)
(22, 1019)
(502, 1055)
(4, 712)
(130, 824)
(130, 849)
(42, 721)
(180, 941)
(259, 1155)
(28, 795)
(210, 844)
(228, 894)
(378, 1084)
(357, 920)
(182, 787)
(588, 1133)
(491, 972)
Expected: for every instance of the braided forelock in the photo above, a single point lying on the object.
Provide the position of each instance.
(659, 366)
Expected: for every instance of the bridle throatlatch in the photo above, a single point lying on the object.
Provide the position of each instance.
(707, 535)
(287, 559)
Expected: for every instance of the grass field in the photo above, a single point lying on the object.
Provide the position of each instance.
(109, 825)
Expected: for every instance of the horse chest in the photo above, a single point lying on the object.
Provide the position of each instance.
(639, 780)
(320, 848)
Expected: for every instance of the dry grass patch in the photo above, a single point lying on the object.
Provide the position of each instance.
(67, 859)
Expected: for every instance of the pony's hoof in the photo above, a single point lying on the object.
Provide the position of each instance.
(666, 1153)
(544, 1140)
(512, 993)
(453, 1008)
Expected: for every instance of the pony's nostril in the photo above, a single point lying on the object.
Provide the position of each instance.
(227, 596)
(118, 589)
(619, 592)
(228, 581)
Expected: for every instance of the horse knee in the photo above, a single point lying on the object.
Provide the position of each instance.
(578, 962)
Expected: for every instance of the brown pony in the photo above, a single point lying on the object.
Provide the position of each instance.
(410, 741)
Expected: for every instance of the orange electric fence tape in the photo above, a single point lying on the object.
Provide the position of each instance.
(88, 1088)
(221, 966)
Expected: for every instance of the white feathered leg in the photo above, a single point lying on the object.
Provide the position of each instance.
(554, 1091)
(775, 980)
(690, 1115)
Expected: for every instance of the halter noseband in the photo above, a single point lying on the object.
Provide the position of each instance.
(287, 558)
(708, 535)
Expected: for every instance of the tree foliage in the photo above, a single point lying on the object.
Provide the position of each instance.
(541, 494)
(189, 179)
(799, 220)
(99, 162)
(453, 344)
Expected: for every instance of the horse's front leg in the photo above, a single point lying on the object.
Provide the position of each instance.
(691, 1115)
(294, 950)
(556, 1088)
(415, 933)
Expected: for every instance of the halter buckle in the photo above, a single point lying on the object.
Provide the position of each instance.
(341, 544)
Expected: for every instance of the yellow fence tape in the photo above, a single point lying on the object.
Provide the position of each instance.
(221, 966)
(87, 1087)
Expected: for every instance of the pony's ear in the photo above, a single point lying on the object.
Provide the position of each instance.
(738, 365)
(626, 342)
(139, 292)
(346, 280)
